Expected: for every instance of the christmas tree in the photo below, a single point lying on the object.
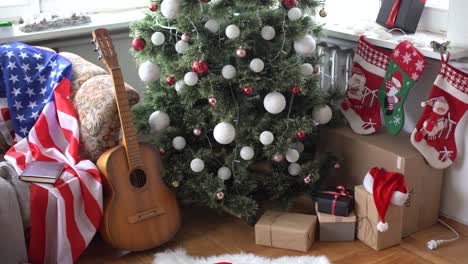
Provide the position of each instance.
(230, 84)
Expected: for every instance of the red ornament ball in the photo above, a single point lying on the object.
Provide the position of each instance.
(296, 90)
(241, 53)
(153, 7)
(199, 67)
(138, 44)
(220, 195)
(170, 80)
(248, 90)
(185, 37)
(300, 134)
(212, 101)
(288, 4)
(197, 132)
(337, 165)
(278, 158)
(162, 151)
(307, 180)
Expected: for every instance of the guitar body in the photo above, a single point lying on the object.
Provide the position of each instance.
(136, 217)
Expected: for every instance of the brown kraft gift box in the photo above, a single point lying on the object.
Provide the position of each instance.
(286, 230)
(336, 228)
(393, 153)
(368, 218)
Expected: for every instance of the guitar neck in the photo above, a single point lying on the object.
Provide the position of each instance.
(129, 135)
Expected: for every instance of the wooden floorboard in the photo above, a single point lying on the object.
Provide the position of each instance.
(206, 233)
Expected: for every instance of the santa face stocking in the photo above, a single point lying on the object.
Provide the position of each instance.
(405, 67)
(434, 135)
(361, 106)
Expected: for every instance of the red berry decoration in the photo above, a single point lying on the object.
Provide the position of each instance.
(162, 151)
(171, 80)
(138, 44)
(300, 134)
(288, 4)
(199, 67)
(248, 90)
(153, 7)
(212, 101)
(296, 90)
(220, 195)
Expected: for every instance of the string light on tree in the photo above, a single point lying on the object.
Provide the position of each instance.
(228, 72)
(292, 155)
(247, 153)
(257, 65)
(212, 101)
(305, 46)
(268, 32)
(294, 169)
(197, 165)
(266, 138)
(232, 31)
(224, 133)
(138, 44)
(294, 14)
(190, 78)
(159, 121)
(170, 80)
(179, 143)
(274, 102)
(149, 72)
(181, 46)
(241, 53)
(224, 173)
(212, 25)
(322, 115)
(158, 38)
(170, 9)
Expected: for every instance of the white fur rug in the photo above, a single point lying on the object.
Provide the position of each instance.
(180, 257)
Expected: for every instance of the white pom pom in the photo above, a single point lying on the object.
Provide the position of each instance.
(158, 38)
(423, 104)
(181, 46)
(322, 115)
(170, 9)
(149, 72)
(257, 65)
(292, 155)
(159, 121)
(247, 153)
(197, 165)
(224, 133)
(294, 14)
(294, 169)
(224, 173)
(179, 143)
(266, 138)
(191, 78)
(228, 72)
(382, 227)
(180, 86)
(305, 46)
(232, 31)
(268, 32)
(212, 25)
(274, 102)
(307, 69)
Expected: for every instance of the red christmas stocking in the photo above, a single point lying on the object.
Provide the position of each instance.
(361, 106)
(434, 133)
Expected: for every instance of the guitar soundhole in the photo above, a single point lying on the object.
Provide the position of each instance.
(138, 178)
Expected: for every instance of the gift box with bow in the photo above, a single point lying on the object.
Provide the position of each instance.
(403, 14)
(335, 201)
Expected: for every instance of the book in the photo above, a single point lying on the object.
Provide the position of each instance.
(42, 172)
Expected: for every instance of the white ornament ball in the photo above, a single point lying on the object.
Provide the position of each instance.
(224, 133)
(197, 165)
(224, 173)
(179, 143)
(298, 146)
(159, 121)
(228, 72)
(305, 46)
(212, 25)
(158, 38)
(268, 33)
(247, 153)
(274, 103)
(190, 78)
(307, 69)
(232, 31)
(322, 115)
(294, 14)
(181, 46)
(180, 86)
(292, 155)
(294, 169)
(257, 65)
(170, 9)
(266, 138)
(149, 72)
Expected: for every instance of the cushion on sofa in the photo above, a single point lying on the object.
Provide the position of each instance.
(97, 112)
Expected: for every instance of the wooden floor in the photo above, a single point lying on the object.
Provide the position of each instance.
(205, 233)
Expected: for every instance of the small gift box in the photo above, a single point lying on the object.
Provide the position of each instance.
(286, 230)
(336, 228)
(403, 14)
(335, 201)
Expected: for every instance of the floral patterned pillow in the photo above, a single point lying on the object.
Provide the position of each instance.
(98, 116)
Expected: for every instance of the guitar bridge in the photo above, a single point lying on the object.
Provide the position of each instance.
(133, 219)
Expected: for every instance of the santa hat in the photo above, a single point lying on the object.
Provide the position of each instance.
(385, 187)
(439, 104)
(397, 78)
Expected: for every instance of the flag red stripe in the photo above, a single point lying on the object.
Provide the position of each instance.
(38, 223)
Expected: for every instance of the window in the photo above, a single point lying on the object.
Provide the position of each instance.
(442, 4)
(16, 8)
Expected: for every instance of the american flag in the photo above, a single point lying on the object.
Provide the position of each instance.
(38, 118)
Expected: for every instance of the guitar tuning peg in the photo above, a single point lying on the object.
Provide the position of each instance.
(97, 49)
(99, 57)
(93, 41)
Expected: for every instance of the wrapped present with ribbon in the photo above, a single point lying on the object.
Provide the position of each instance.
(403, 14)
(286, 230)
(336, 201)
(336, 228)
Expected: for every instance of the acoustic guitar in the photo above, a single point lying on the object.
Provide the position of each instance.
(140, 211)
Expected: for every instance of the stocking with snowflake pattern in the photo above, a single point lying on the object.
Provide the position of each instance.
(434, 135)
(405, 67)
(361, 106)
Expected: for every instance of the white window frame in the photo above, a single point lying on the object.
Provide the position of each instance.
(10, 11)
(434, 19)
